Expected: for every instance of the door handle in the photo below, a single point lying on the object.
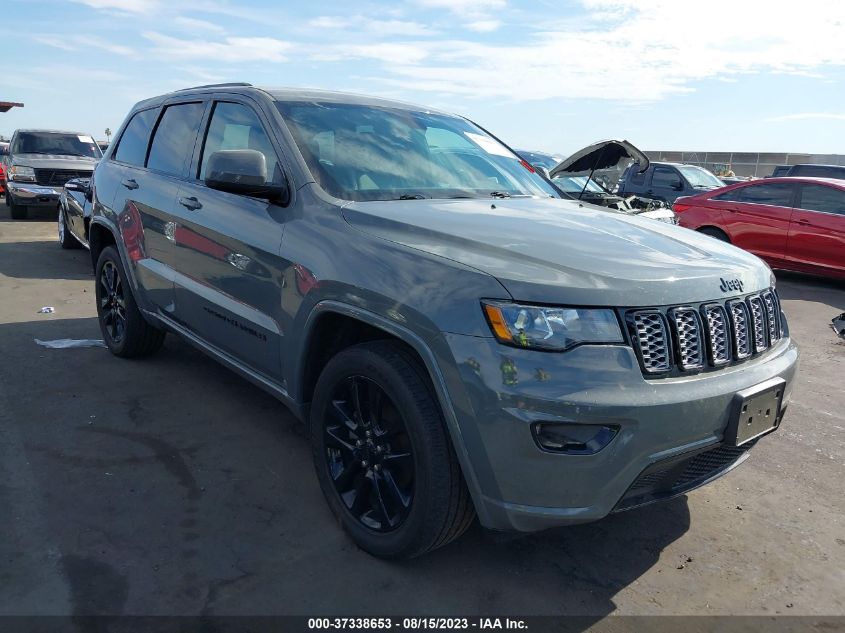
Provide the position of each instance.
(190, 203)
(803, 222)
(130, 183)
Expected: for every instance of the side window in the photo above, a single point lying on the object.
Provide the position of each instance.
(636, 177)
(731, 196)
(777, 195)
(236, 126)
(132, 146)
(819, 171)
(665, 177)
(821, 198)
(174, 138)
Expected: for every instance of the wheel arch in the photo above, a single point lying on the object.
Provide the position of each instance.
(704, 228)
(310, 358)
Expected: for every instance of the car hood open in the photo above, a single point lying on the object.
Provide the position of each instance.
(564, 252)
(610, 158)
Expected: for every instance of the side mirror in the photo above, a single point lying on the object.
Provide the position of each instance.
(243, 172)
(678, 185)
(542, 170)
(75, 185)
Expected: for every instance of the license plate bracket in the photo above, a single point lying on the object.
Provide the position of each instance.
(755, 411)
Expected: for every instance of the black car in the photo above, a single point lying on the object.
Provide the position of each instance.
(74, 213)
(815, 171)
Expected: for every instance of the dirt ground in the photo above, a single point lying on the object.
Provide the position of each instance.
(171, 486)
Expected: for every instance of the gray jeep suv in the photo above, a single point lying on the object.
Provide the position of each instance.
(41, 162)
(458, 338)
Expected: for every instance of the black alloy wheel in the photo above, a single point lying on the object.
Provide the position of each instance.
(112, 302)
(369, 455)
(382, 452)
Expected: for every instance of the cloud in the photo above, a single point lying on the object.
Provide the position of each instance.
(399, 53)
(478, 12)
(631, 50)
(484, 26)
(193, 24)
(463, 7)
(228, 50)
(366, 24)
(67, 42)
(804, 116)
(130, 6)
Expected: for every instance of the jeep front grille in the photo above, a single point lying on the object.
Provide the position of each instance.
(713, 334)
(653, 341)
(688, 332)
(759, 329)
(741, 329)
(718, 334)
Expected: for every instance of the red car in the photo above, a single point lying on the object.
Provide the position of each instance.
(793, 223)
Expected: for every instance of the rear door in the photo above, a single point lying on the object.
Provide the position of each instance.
(758, 220)
(228, 286)
(146, 195)
(817, 231)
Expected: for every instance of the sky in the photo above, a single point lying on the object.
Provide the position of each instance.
(551, 75)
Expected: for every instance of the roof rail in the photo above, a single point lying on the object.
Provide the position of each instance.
(223, 85)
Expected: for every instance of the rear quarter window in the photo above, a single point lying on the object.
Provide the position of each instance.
(132, 147)
(174, 138)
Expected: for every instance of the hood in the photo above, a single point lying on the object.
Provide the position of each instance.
(565, 252)
(55, 161)
(608, 158)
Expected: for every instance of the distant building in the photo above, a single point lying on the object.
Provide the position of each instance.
(745, 163)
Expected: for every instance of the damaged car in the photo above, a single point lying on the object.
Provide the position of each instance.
(592, 175)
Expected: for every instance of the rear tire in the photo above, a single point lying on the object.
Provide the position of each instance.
(18, 211)
(125, 331)
(392, 479)
(715, 233)
(66, 238)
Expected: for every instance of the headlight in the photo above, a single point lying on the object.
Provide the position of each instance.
(553, 329)
(21, 174)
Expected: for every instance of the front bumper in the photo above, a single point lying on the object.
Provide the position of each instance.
(498, 393)
(33, 195)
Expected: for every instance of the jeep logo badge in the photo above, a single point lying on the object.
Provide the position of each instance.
(730, 284)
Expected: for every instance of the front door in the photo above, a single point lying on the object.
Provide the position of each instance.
(759, 219)
(817, 232)
(228, 286)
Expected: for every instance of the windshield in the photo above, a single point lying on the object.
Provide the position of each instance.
(538, 158)
(358, 152)
(56, 143)
(575, 184)
(698, 177)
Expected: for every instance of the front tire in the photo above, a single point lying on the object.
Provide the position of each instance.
(383, 456)
(125, 331)
(715, 233)
(66, 238)
(18, 211)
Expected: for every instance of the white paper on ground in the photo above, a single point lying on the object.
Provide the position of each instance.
(64, 343)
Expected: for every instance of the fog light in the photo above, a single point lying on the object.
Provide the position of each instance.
(573, 439)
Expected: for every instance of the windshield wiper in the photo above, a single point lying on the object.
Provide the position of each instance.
(499, 194)
(411, 196)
